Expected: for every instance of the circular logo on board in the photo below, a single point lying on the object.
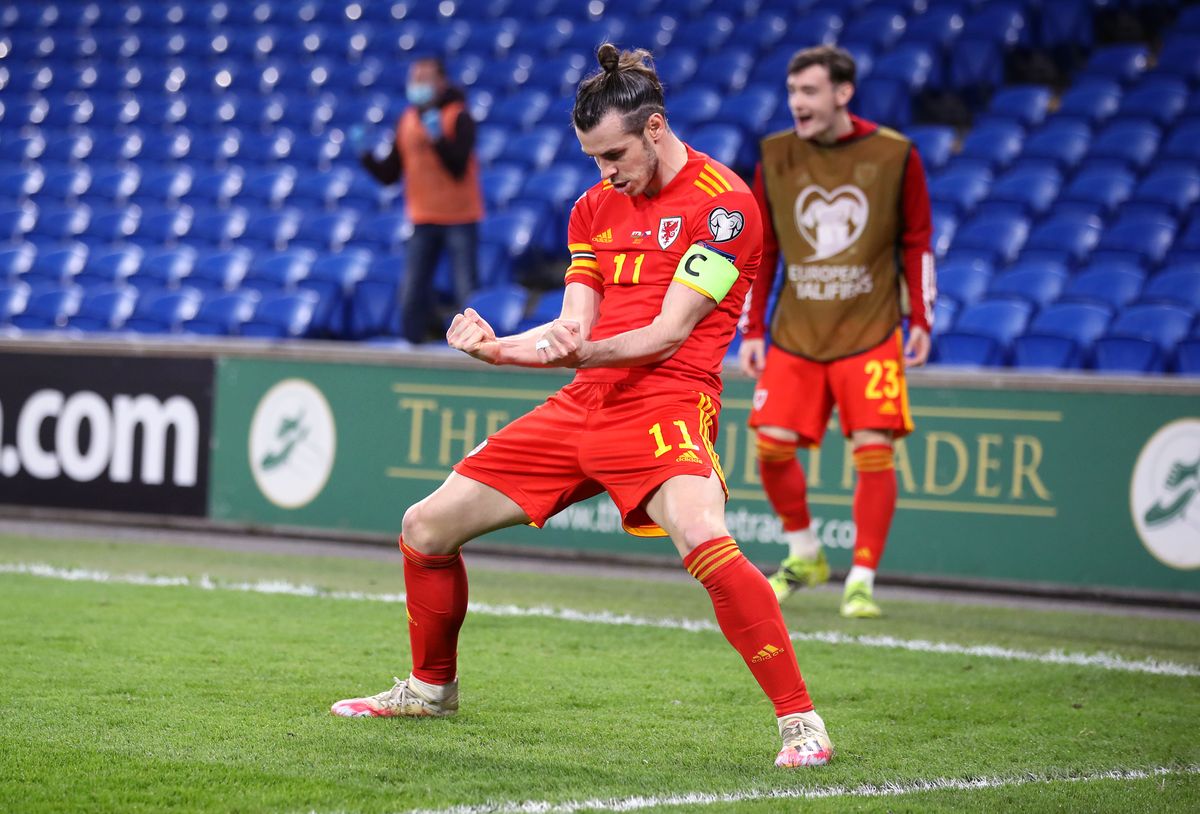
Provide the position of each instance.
(292, 443)
(1164, 496)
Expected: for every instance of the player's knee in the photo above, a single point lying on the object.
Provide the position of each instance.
(421, 532)
(692, 533)
(773, 450)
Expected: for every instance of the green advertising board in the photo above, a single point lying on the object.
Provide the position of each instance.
(1041, 486)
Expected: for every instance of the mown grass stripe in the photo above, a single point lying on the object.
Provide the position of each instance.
(824, 793)
(1104, 661)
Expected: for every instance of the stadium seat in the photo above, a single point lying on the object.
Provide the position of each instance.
(693, 106)
(267, 188)
(16, 186)
(1038, 282)
(218, 229)
(164, 187)
(1129, 143)
(1121, 63)
(1141, 238)
(49, 308)
(164, 268)
(502, 306)
(333, 277)
(271, 231)
(219, 269)
(995, 144)
(326, 232)
(13, 298)
(16, 222)
(221, 313)
(1067, 237)
(59, 224)
(1174, 286)
(883, 100)
(513, 230)
(385, 234)
(1070, 25)
(1096, 192)
(282, 316)
(217, 188)
(877, 29)
(1167, 192)
(1028, 192)
(1180, 57)
(1001, 23)
(1187, 356)
(998, 237)
(1159, 100)
(1091, 101)
(373, 302)
(983, 333)
(104, 309)
(273, 272)
(163, 227)
(1061, 142)
(1061, 336)
(1141, 339)
(165, 148)
(945, 224)
(1113, 283)
(322, 189)
(724, 142)
(909, 64)
(547, 308)
(1025, 105)
(111, 185)
(534, 150)
(934, 143)
(1185, 248)
(975, 66)
(964, 281)
(64, 183)
(69, 149)
(751, 109)
(522, 110)
(110, 266)
(961, 189)
(15, 261)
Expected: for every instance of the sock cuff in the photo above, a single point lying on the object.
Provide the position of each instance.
(874, 458)
(774, 450)
(428, 560)
(707, 558)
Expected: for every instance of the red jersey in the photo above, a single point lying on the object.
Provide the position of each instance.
(628, 248)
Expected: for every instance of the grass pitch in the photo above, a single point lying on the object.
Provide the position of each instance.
(213, 695)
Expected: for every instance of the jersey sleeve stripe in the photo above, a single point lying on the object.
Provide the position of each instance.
(584, 262)
(595, 275)
(712, 193)
(715, 178)
(579, 247)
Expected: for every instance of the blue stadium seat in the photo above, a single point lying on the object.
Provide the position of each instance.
(221, 313)
(1023, 104)
(1038, 282)
(267, 150)
(333, 277)
(547, 308)
(983, 333)
(1141, 339)
(1061, 336)
(1113, 283)
(1183, 144)
(15, 260)
(69, 149)
(1159, 100)
(945, 224)
(49, 308)
(514, 230)
(271, 231)
(1121, 63)
(1067, 237)
(373, 302)
(521, 110)
(999, 22)
(385, 234)
(1091, 101)
(1168, 192)
(104, 309)
(164, 187)
(934, 143)
(108, 267)
(964, 281)
(995, 144)
(283, 316)
(267, 188)
(1174, 286)
(164, 227)
(1187, 356)
(111, 185)
(218, 229)
(327, 232)
(18, 221)
(761, 32)
(693, 105)
(911, 65)
(165, 148)
(1130, 143)
(883, 100)
(1096, 192)
(751, 109)
(724, 142)
(57, 224)
(502, 306)
(13, 298)
(534, 150)
(322, 190)
(939, 26)
(975, 66)
(1027, 192)
(1180, 57)
(945, 309)
(997, 237)
(217, 188)
(961, 188)
(16, 186)
(119, 146)
(161, 269)
(218, 269)
(272, 272)
(878, 29)
(1141, 238)
(1186, 246)
(1070, 25)
(709, 33)
(64, 183)
(501, 183)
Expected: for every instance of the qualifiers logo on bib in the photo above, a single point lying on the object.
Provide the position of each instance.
(831, 221)
(293, 441)
(668, 230)
(1164, 495)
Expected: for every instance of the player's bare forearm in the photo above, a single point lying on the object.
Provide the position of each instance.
(682, 309)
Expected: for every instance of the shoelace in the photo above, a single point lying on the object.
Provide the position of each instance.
(796, 733)
(396, 694)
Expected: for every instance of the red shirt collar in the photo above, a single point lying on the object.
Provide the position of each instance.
(861, 127)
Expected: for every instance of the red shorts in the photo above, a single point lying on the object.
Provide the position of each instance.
(590, 438)
(868, 388)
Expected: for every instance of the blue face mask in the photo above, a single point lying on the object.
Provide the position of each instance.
(419, 94)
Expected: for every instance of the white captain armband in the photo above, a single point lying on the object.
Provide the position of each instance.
(707, 270)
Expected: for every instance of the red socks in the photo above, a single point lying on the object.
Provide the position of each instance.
(436, 588)
(783, 481)
(748, 614)
(874, 502)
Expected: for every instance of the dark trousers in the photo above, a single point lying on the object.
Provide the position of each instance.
(419, 311)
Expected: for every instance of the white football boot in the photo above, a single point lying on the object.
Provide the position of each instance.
(410, 698)
(805, 741)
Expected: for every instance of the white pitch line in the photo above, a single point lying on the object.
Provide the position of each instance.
(823, 793)
(1104, 661)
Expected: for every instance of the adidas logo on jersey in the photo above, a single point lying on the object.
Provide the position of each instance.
(768, 652)
(887, 408)
(689, 457)
(603, 237)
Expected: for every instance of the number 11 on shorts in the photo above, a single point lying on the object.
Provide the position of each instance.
(663, 446)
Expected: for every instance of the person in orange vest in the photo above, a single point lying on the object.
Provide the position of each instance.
(433, 154)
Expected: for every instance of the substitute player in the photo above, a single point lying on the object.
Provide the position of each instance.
(663, 251)
(846, 202)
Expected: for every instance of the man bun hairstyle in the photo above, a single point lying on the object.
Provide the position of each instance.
(838, 61)
(626, 83)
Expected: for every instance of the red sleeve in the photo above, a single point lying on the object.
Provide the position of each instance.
(915, 243)
(584, 268)
(753, 324)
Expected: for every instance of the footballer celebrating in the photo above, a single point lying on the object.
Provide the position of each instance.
(663, 252)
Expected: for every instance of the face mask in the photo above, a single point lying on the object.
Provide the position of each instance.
(419, 94)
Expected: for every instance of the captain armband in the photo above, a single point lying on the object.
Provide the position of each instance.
(707, 270)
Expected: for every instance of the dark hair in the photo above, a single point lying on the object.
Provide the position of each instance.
(837, 61)
(436, 61)
(626, 83)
